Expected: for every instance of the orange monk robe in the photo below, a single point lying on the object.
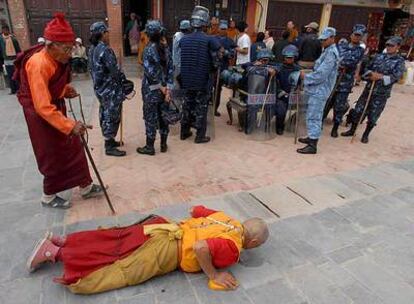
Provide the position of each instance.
(40, 68)
(144, 39)
(214, 30)
(232, 33)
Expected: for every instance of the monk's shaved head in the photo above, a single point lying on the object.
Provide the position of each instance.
(256, 232)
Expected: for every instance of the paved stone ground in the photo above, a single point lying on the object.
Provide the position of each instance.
(343, 237)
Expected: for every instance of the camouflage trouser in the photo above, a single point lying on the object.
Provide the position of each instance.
(340, 106)
(281, 110)
(314, 116)
(110, 117)
(195, 109)
(374, 110)
(153, 119)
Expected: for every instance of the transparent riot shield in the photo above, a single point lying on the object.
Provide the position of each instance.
(296, 121)
(177, 96)
(260, 120)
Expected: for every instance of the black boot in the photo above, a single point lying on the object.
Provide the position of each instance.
(164, 146)
(351, 131)
(365, 136)
(280, 128)
(305, 140)
(311, 148)
(201, 137)
(148, 149)
(334, 132)
(185, 133)
(112, 150)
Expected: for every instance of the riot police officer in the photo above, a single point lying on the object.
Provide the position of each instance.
(196, 64)
(284, 85)
(385, 69)
(157, 83)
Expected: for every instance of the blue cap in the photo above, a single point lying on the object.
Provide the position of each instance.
(98, 28)
(224, 25)
(396, 40)
(185, 25)
(359, 29)
(153, 27)
(264, 53)
(290, 51)
(327, 33)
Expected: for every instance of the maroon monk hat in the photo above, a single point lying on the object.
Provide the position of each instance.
(59, 30)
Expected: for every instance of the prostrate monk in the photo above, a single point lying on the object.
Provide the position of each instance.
(44, 75)
(101, 260)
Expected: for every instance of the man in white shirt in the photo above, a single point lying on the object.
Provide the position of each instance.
(243, 44)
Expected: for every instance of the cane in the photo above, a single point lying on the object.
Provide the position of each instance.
(365, 110)
(89, 154)
(95, 169)
(121, 128)
(260, 115)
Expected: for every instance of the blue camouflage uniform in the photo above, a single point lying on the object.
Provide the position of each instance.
(176, 52)
(107, 78)
(392, 67)
(196, 65)
(351, 55)
(155, 77)
(318, 87)
(284, 85)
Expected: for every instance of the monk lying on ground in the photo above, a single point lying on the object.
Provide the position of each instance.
(101, 260)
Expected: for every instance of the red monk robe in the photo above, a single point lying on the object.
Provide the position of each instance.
(43, 84)
(104, 247)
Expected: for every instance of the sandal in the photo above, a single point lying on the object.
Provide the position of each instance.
(58, 203)
(95, 191)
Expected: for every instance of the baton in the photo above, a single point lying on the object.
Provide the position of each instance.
(365, 109)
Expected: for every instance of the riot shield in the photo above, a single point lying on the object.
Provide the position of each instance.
(260, 121)
(177, 96)
(297, 107)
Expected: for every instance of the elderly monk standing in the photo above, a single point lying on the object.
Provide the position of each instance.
(101, 260)
(44, 75)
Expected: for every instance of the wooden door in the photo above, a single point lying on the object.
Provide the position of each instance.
(343, 18)
(81, 14)
(280, 12)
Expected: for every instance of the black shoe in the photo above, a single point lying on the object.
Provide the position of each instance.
(114, 152)
(365, 136)
(311, 148)
(334, 132)
(164, 146)
(217, 114)
(202, 140)
(351, 131)
(148, 149)
(305, 140)
(111, 149)
(185, 134)
(279, 131)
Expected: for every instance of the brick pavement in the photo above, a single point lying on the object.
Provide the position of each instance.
(337, 236)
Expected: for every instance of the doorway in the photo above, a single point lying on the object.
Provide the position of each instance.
(142, 9)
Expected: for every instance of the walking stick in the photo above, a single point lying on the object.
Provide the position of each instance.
(89, 154)
(297, 115)
(95, 169)
(365, 110)
(260, 114)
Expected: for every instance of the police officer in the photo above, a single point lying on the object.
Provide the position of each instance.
(351, 55)
(185, 28)
(107, 79)
(318, 86)
(385, 69)
(284, 86)
(257, 77)
(157, 84)
(196, 65)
